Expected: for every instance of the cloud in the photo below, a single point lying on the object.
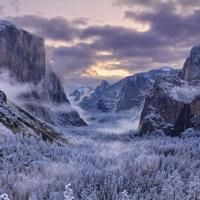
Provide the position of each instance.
(81, 21)
(11, 87)
(166, 42)
(128, 44)
(157, 4)
(57, 28)
(73, 59)
(170, 24)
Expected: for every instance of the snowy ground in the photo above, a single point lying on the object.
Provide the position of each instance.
(103, 167)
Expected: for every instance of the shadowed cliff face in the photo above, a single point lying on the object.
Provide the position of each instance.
(53, 90)
(191, 69)
(163, 112)
(174, 103)
(21, 53)
(23, 56)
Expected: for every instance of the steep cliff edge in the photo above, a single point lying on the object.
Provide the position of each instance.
(23, 55)
(173, 105)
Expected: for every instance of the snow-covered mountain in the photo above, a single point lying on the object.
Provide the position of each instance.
(22, 56)
(79, 94)
(173, 105)
(123, 95)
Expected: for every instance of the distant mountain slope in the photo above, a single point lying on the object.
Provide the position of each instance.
(125, 94)
(80, 93)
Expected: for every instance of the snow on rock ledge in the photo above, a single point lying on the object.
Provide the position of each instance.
(174, 103)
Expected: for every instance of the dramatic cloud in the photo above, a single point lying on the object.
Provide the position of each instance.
(72, 59)
(170, 24)
(137, 47)
(82, 50)
(58, 28)
(178, 4)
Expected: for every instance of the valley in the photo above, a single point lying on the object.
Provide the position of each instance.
(135, 139)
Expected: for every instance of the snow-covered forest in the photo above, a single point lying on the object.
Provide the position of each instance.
(104, 168)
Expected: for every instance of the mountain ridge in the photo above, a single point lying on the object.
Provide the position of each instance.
(125, 94)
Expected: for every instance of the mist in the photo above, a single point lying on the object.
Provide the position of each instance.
(11, 87)
(185, 93)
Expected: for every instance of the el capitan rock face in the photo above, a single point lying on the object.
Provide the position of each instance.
(174, 103)
(23, 55)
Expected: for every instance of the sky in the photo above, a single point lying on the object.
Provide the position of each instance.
(90, 40)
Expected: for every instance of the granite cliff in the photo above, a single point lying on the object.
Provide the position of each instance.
(23, 55)
(173, 105)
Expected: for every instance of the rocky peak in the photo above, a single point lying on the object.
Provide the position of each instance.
(103, 86)
(80, 93)
(195, 55)
(191, 68)
(174, 103)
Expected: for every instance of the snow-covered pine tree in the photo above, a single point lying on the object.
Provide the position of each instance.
(68, 193)
(124, 196)
(4, 197)
(173, 187)
(194, 189)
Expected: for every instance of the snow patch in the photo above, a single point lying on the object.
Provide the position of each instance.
(185, 93)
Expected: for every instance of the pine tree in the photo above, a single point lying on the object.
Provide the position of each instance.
(173, 187)
(194, 189)
(68, 193)
(124, 196)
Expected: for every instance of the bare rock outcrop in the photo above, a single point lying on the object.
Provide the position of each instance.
(173, 105)
(23, 55)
